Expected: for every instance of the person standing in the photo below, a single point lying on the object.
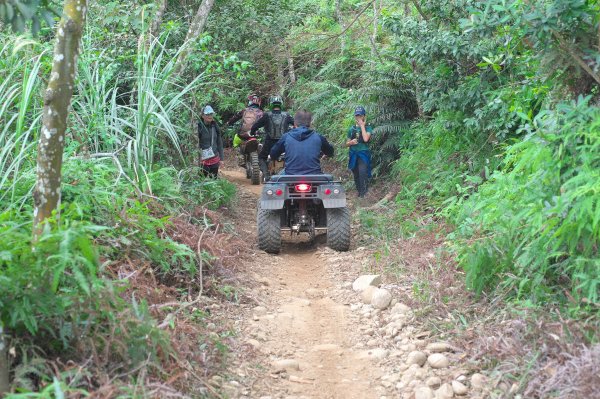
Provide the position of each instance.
(211, 143)
(359, 161)
(276, 123)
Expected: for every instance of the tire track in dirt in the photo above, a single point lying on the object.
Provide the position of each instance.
(302, 335)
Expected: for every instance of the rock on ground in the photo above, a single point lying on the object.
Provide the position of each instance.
(286, 364)
(381, 298)
(433, 382)
(423, 393)
(438, 347)
(367, 294)
(416, 357)
(444, 392)
(366, 280)
(437, 361)
(459, 388)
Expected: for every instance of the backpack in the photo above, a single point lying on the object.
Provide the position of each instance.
(251, 115)
(277, 125)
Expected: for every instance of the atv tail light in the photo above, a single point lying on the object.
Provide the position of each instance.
(327, 191)
(279, 192)
(269, 192)
(303, 187)
(336, 191)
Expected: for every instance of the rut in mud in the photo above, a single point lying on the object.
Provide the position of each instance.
(310, 336)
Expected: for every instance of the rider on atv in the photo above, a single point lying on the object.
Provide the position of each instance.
(303, 147)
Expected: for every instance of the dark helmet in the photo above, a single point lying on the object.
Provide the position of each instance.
(253, 99)
(276, 101)
(360, 111)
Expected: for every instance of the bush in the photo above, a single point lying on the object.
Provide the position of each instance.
(534, 227)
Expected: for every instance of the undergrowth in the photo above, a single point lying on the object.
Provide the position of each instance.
(60, 297)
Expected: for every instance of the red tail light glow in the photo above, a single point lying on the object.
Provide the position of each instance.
(303, 187)
(327, 191)
(278, 192)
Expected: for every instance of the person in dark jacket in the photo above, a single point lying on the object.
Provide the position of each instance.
(302, 147)
(276, 123)
(211, 143)
(359, 160)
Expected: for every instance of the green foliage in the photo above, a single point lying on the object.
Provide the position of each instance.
(214, 193)
(18, 13)
(20, 113)
(48, 284)
(534, 226)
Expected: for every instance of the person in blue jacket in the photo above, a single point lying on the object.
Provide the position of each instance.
(303, 147)
(359, 161)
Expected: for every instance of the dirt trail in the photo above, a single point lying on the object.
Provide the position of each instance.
(302, 333)
(306, 333)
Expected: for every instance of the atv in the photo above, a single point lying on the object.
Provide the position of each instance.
(303, 204)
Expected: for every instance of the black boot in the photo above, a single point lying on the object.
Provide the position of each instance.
(264, 168)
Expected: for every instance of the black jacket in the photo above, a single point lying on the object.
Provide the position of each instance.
(205, 138)
(263, 122)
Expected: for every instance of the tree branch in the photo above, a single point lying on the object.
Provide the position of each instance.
(420, 10)
(196, 28)
(562, 43)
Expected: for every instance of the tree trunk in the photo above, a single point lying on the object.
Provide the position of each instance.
(57, 100)
(196, 29)
(4, 364)
(157, 21)
(340, 20)
(292, 69)
(280, 76)
(374, 35)
(146, 39)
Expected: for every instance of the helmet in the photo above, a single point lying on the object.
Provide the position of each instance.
(253, 99)
(360, 111)
(276, 100)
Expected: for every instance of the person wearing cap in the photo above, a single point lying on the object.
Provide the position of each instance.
(211, 143)
(359, 161)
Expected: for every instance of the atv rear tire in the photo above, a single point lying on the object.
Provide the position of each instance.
(338, 229)
(255, 168)
(269, 230)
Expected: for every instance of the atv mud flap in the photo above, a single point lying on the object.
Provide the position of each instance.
(271, 204)
(334, 203)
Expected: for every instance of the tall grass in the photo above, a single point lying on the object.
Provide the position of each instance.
(159, 97)
(136, 117)
(20, 114)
